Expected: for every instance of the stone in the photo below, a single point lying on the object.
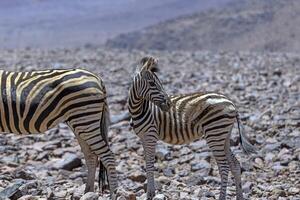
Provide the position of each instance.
(247, 187)
(199, 144)
(269, 157)
(160, 197)
(28, 197)
(138, 177)
(78, 192)
(42, 155)
(294, 191)
(195, 180)
(184, 195)
(201, 164)
(23, 174)
(163, 180)
(120, 117)
(90, 196)
(126, 195)
(161, 152)
(186, 158)
(68, 162)
(60, 194)
(169, 172)
(12, 191)
(209, 194)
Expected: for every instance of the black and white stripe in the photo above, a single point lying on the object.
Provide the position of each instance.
(34, 102)
(189, 117)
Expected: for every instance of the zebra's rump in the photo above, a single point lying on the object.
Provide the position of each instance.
(33, 102)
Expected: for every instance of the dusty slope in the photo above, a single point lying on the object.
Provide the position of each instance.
(55, 23)
(257, 25)
(264, 86)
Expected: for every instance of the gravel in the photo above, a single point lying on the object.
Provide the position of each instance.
(265, 87)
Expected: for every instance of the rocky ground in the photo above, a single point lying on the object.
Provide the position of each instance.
(265, 87)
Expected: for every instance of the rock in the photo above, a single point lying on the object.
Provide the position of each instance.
(294, 191)
(163, 180)
(78, 192)
(201, 164)
(162, 152)
(90, 196)
(209, 194)
(42, 155)
(282, 152)
(50, 194)
(169, 172)
(184, 151)
(160, 197)
(120, 117)
(186, 158)
(28, 197)
(68, 162)
(12, 191)
(277, 192)
(76, 175)
(138, 177)
(269, 157)
(259, 162)
(184, 195)
(27, 187)
(272, 147)
(196, 180)
(247, 187)
(60, 194)
(23, 174)
(200, 144)
(122, 194)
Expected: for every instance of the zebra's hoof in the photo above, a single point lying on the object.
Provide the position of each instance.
(150, 195)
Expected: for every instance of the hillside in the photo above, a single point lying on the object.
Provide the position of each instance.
(257, 25)
(57, 24)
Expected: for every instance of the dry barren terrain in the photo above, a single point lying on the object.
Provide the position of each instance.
(265, 87)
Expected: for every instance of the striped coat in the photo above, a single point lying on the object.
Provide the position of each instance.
(181, 119)
(34, 102)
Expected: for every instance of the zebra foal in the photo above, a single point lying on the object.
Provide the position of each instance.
(181, 119)
(34, 102)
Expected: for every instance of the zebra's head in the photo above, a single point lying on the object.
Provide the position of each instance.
(148, 86)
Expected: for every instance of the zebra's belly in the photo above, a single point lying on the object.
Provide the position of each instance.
(180, 137)
(22, 128)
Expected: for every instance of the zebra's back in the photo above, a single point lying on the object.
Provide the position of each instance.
(191, 114)
(33, 102)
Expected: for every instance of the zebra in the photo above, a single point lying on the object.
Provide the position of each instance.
(34, 102)
(182, 119)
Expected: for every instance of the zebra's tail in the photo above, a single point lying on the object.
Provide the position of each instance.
(246, 145)
(104, 124)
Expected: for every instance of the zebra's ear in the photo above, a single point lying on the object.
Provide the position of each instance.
(149, 64)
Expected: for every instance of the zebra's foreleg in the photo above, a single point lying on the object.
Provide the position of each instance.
(149, 144)
(91, 162)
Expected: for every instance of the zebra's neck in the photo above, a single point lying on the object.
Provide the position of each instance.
(140, 110)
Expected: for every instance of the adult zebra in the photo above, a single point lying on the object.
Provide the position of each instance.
(34, 102)
(182, 119)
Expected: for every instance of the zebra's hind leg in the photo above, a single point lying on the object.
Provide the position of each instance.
(149, 144)
(107, 158)
(217, 146)
(91, 162)
(236, 172)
